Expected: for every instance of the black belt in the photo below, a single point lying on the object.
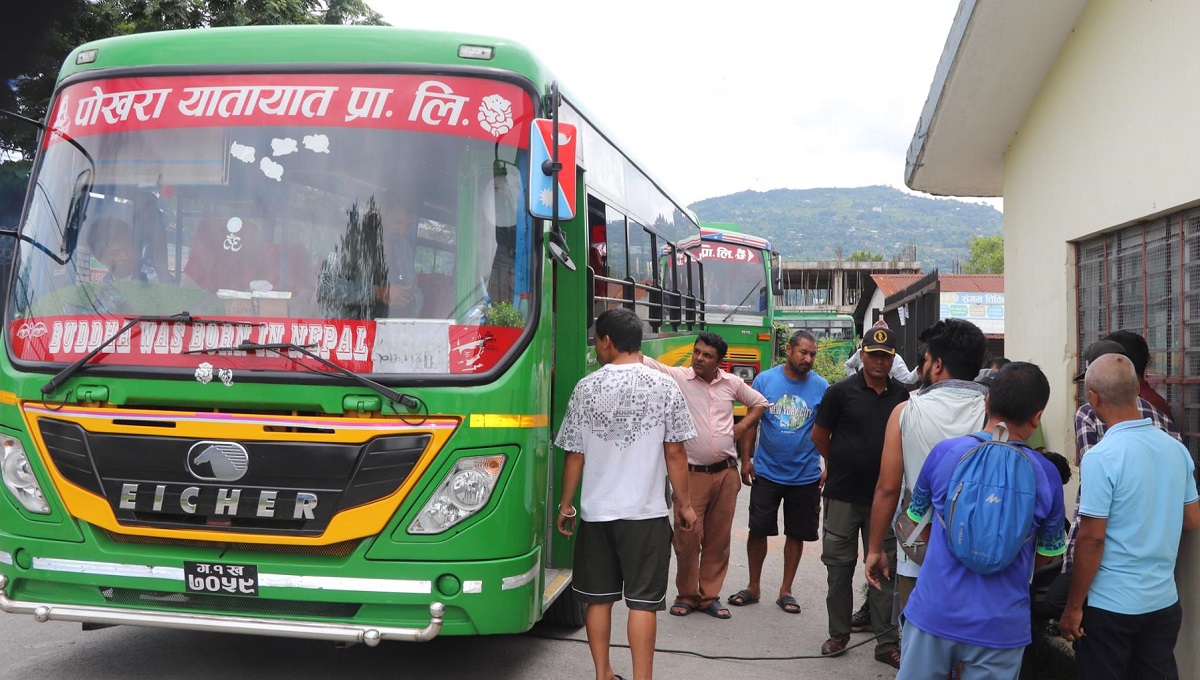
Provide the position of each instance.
(715, 467)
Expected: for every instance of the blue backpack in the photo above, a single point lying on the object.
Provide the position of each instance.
(990, 503)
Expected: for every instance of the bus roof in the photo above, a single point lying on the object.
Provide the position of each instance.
(709, 231)
(306, 44)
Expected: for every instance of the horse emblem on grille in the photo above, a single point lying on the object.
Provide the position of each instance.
(217, 461)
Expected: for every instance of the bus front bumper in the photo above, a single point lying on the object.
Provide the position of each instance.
(335, 632)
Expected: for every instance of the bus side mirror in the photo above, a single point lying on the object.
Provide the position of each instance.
(776, 275)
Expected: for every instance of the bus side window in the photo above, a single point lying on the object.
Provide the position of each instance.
(670, 283)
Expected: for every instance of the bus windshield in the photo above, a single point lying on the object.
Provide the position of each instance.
(375, 218)
(735, 279)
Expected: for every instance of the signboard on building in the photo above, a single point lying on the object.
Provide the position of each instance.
(985, 310)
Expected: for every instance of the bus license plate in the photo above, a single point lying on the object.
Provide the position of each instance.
(220, 579)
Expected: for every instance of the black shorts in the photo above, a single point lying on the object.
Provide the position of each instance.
(627, 557)
(801, 509)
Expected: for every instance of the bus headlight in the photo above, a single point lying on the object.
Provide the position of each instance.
(744, 372)
(18, 477)
(464, 491)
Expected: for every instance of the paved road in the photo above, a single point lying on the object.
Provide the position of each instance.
(762, 635)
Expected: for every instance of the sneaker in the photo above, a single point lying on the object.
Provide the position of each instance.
(835, 645)
(891, 657)
(861, 620)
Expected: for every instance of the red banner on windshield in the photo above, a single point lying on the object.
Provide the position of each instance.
(454, 105)
(386, 346)
(717, 251)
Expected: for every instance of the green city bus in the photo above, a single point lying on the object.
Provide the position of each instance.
(740, 272)
(222, 410)
(835, 332)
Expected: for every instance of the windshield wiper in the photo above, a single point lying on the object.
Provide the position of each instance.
(61, 376)
(738, 306)
(405, 400)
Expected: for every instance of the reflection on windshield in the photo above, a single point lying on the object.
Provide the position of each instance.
(394, 236)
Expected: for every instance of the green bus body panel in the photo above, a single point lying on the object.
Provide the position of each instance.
(510, 536)
(492, 610)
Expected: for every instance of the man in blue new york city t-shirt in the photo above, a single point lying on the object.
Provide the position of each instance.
(786, 468)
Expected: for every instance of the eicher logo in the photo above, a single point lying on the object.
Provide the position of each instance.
(217, 461)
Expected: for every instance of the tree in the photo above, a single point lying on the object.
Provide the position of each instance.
(987, 255)
(866, 256)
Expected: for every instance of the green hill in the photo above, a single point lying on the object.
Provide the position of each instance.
(812, 224)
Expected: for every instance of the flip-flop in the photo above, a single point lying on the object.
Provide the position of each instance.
(687, 609)
(742, 598)
(714, 609)
(788, 604)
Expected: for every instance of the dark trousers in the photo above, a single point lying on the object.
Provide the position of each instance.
(1128, 647)
(845, 523)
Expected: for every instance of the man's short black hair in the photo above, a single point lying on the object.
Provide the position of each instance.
(1135, 348)
(1018, 391)
(622, 327)
(959, 344)
(792, 341)
(998, 362)
(716, 342)
(1060, 461)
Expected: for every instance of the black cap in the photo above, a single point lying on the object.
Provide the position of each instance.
(879, 340)
(1095, 351)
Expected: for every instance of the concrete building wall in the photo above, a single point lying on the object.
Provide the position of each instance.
(1112, 138)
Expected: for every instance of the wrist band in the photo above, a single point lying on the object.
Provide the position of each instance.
(573, 512)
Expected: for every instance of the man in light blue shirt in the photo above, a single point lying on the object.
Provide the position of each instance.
(1138, 493)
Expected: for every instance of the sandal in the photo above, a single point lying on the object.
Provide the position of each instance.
(742, 598)
(681, 609)
(788, 604)
(715, 610)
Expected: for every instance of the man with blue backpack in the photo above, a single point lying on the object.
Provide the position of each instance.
(995, 509)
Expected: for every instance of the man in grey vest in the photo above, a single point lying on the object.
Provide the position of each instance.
(949, 404)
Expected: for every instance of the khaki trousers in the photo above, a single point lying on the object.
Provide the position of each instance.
(846, 527)
(702, 554)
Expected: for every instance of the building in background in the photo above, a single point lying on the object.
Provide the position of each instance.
(1081, 114)
(910, 303)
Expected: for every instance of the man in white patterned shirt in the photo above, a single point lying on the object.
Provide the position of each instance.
(623, 435)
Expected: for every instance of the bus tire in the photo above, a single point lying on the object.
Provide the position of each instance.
(566, 611)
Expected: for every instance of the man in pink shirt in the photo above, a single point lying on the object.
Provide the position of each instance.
(702, 555)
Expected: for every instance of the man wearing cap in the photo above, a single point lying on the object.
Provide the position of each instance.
(848, 434)
(899, 370)
(1088, 431)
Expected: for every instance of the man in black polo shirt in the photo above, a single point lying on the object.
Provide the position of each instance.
(849, 434)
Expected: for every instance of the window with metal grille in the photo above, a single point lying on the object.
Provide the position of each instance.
(1146, 279)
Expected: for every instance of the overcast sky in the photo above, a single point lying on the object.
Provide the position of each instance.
(792, 94)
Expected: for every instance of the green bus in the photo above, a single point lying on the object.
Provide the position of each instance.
(835, 332)
(227, 405)
(740, 275)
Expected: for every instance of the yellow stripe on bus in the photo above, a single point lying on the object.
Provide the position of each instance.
(508, 420)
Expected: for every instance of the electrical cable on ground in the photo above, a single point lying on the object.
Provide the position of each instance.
(727, 657)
